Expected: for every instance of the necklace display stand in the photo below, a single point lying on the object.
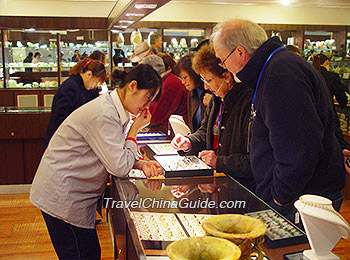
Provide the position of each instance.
(323, 225)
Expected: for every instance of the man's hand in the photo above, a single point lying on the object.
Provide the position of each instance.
(209, 157)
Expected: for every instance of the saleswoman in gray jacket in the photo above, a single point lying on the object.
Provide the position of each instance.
(95, 140)
(221, 141)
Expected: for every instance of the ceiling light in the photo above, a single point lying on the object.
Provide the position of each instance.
(285, 2)
(126, 21)
(134, 14)
(145, 6)
(30, 30)
(120, 26)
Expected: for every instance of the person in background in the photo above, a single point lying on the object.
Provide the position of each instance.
(141, 51)
(222, 139)
(83, 56)
(76, 56)
(173, 100)
(74, 92)
(96, 140)
(293, 147)
(119, 57)
(117, 77)
(169, 62)
(194, 84)
(335, 87)
(36, 57)
(156, 42)
(35, 60)
(28, 59)
(293, 49)
(98, 55)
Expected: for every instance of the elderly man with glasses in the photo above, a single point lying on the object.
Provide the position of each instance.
(293, 146)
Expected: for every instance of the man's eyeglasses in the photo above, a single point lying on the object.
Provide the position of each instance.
(222, 64)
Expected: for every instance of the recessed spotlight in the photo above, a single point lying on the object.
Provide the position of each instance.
(134, 14)
(145, 6)
(285, 2)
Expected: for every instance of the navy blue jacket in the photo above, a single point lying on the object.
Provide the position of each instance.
(69, 96)
(293, 147)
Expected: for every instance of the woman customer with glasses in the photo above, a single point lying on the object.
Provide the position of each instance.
(221, 141)
(193, 83)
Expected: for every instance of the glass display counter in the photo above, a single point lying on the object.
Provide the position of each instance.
(147, 215)
(39, 109)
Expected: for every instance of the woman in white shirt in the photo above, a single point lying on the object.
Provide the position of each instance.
(35, 60)
(93, 141)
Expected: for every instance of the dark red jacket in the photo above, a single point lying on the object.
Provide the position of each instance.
(172, 101)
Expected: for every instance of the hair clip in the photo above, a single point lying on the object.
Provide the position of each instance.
(88, 62)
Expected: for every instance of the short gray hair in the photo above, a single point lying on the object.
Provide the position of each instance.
(156, 62)
(154, 36)
(233, 33)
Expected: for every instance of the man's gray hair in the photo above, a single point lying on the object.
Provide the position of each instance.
(154, 36)
(233, 33)
(156, 62)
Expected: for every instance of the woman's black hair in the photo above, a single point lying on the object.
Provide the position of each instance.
(37, 53)
(318, 60)
(146, 78)
(185, 63)
(97, 55)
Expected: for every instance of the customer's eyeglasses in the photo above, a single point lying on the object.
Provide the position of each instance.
(222, 64)
(207, 81)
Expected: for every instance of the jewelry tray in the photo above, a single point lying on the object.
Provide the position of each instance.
(280, 233)
(160, 149)
(183, 166)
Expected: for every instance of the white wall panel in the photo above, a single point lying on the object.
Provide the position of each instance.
(198, 12)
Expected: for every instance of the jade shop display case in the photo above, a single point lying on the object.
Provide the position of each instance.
(56, 49)
(161, 211)
(84, 41)
(22, 70)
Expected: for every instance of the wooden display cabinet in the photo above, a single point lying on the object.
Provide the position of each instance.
(21, 143)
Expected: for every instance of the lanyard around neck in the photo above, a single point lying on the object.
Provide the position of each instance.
(253, 111)
(219, 118)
